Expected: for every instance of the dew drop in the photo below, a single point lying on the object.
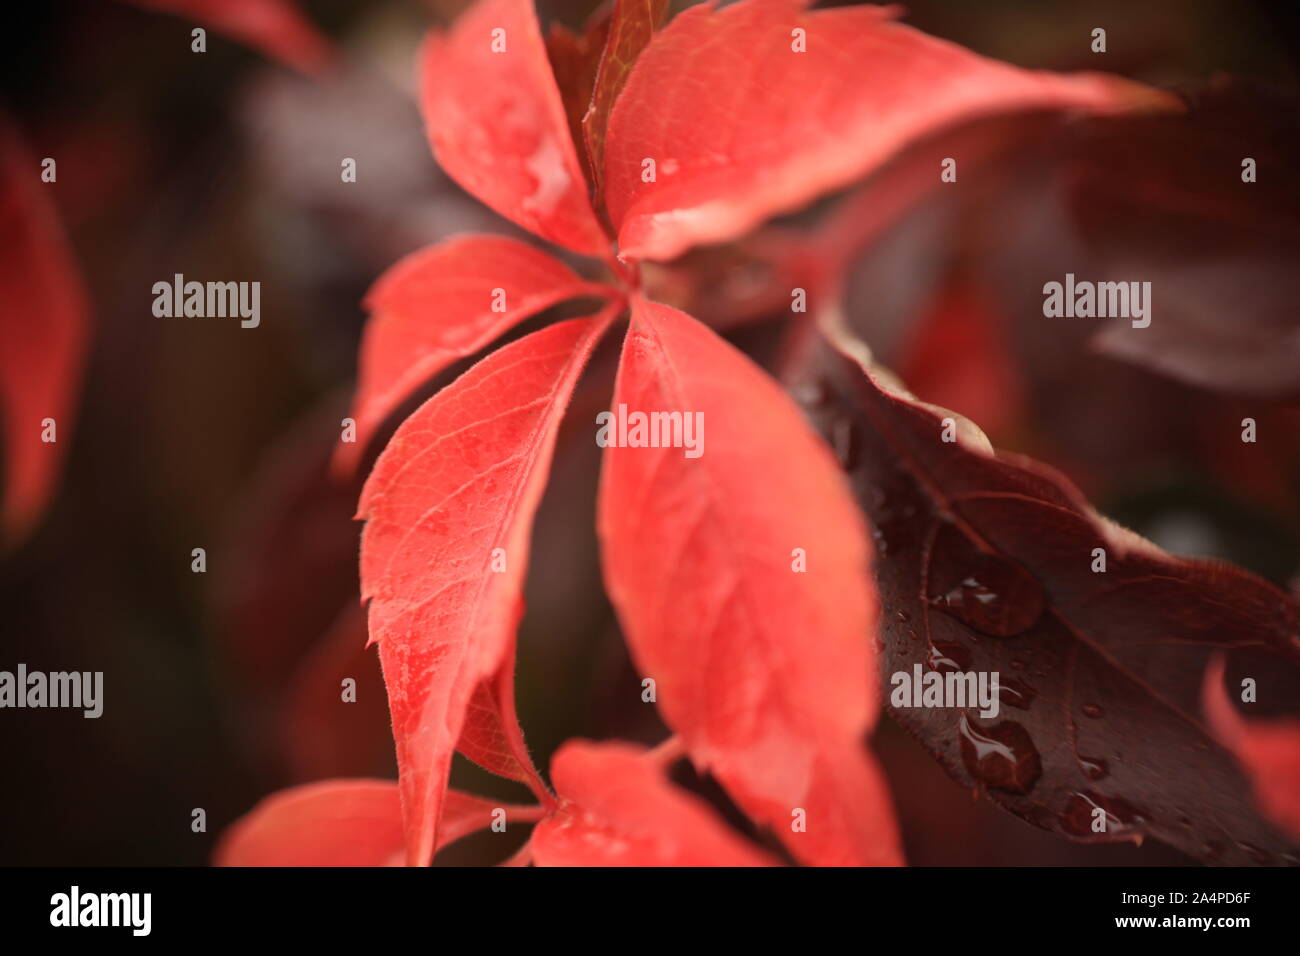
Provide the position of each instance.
(903, 616)
(1255, 853)
(1094, 767)
(987, 592)
(1091, 710)
(1001, 757)
(1016, 693)
(948, 657)
(1121, 816)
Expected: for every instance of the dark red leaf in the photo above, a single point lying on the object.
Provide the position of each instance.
(632, 24)
(986, 565)
(763, 671)
(1268, 750)
(575, 58)
(44, 326)
(275, 27)
(1161, 199)
(497, 123)
(339, 823)
(742, 127)
(461, 478)
(619, 809)
(443, 303)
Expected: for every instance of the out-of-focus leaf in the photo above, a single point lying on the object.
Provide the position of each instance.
(764, 671)
(275, 27)
(443, 303)
(497, 124)
(741, 125)
(958, 357)
(339, 823)
(44, 323)
(1161, 199)
(448, 510)
(619, 809)
(986, 563)
(1268, 750)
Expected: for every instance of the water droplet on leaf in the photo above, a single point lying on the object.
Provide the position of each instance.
(1002, 757)
(987, 592)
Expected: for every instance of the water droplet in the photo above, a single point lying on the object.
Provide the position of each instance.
(987, 592)
(947, 656)
(1091, 710)
(1121, 816)
(1094, 767)
(1015, 693)
(1001, 757)
(1255, 853)
(903, 616)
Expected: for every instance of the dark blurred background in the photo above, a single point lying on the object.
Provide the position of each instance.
(221, 687)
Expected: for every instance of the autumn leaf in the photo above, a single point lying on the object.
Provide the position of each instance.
(1172, 200)
(45, 325)
(342, 823)
(448, 511)
(762, 669)
(632, 24)
(275, 27)
(619, 809)
(327, 823)
(757, 107)
(443, 303)
(575, 57)
(497, 124)
(993, 563)
(1268, 750)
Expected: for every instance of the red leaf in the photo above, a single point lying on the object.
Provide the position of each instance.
(461, 478)
(491, 728)
(620, 810)
(1269, 751)
(44, 326)
(440, 304)
(742, 127)
(958, 357)
(986, 564)
(339, 823)
(497, 124)
(765, 673)
(631, 26)
(275, 27)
